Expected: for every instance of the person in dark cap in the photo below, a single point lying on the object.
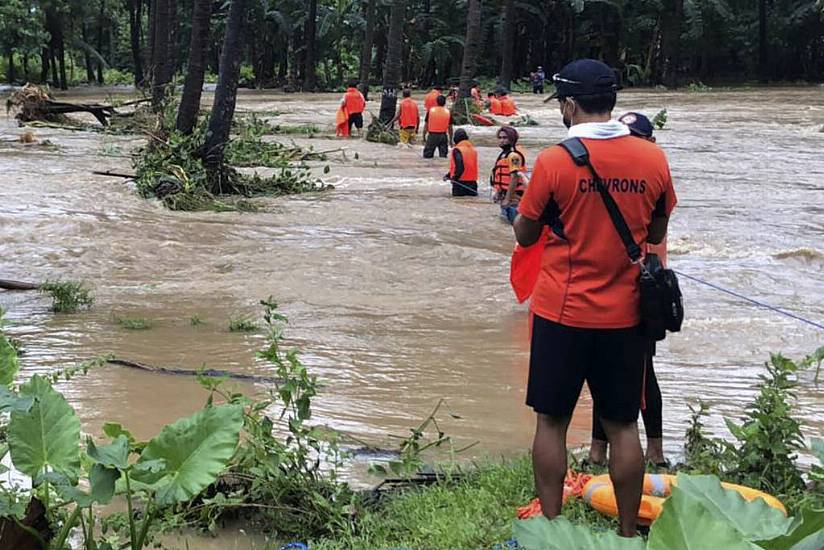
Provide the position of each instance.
(463, 166)
(638, 124)
(585, 304)
(508, 178)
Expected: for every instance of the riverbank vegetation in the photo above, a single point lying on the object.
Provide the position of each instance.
(285, 477)
(319, 44)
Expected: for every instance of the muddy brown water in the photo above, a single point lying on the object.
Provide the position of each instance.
(398, 294)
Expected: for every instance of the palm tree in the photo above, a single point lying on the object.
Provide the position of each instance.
(762, 41)
(394, 56)
(366, 48)
(223, 107)
(470, 55)
(162, 68)
(507, 44)
(309, 41)
(135, 18)
(196, 67)
(671, 20)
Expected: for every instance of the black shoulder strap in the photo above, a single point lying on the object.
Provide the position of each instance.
(580, 156)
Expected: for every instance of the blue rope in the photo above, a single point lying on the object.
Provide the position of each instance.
(752, 301)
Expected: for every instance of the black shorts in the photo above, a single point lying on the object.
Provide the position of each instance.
(562, 358)
(356, 119)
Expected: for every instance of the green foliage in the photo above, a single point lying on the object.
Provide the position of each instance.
(378, 133)
(767, 440)
(194, 451)
(116, 77)
(195, 320)
(46, 437)
(698, 87)
(9, 363)
(660, 119)
(559, 534)
(68, 296)
(171, 168)
(242, 324)
(134, 323)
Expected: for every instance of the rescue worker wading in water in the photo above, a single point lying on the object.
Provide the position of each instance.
(437, 130)
(463, 166)
(508, 177)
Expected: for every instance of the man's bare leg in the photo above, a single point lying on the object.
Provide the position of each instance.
(549, 462)
(626, 470)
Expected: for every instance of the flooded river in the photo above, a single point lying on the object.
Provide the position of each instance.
(397, 294)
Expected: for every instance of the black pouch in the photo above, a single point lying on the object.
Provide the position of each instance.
(662, 307)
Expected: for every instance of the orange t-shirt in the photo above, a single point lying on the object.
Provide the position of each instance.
(409, 115)
(508, 106)
(355, 103)
(431, 100)
(587, 279)
(494, 105)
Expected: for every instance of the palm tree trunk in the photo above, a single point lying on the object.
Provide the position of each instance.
(160, 55)
(100, 27)
(134, 32)
(366, 48)
(507, 44)
(472, 44)
(394, 55)
(196, 67)
(84, 33)
(309, 41)
(763, 56)
(223, 107)
(10, 76)
(671, 42)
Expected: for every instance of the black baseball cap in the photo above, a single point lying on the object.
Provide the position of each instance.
(585, 77)
(639, 125)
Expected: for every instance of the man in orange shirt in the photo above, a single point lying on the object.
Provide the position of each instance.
(431, 99)
(508, 107)
(437, 130)
(585, 304)
(408, 118)
(354, 103)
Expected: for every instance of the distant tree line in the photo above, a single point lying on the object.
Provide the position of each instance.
(320, 44)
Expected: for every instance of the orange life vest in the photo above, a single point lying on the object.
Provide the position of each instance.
(494, 106)
(501, 176)
(508, 106)
(438, 121)
(470, 161)
(431, 100)
(409, 115)
(355, 103)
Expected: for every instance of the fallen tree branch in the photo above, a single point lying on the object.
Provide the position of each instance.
(114, 174)
(17, 285)
(214, 373)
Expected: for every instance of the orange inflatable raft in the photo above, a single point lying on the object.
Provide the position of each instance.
(599, 494)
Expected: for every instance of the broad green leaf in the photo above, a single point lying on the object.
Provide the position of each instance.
(196, 450)
(115, 430)
(47, 435)
(12, 401)
(101, 481)
(805, 528)
(686, 524)
(755, 520)
(9, 363)
(114, 455)
(559, 534)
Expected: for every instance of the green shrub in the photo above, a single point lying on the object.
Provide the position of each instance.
(68, 296)
(134, 323)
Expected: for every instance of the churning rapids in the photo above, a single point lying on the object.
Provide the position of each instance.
(397, 294)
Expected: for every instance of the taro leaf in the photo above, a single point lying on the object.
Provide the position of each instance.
(115, 430)
(686, 524)
(114, 455)
(806, 531)
(47, 435)
(101, 480)
(11, 401)
(817, 447)
(559, 534)
(196, 450)
(755, 520)
(9, 363)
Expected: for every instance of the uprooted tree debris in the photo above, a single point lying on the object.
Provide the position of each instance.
(33, 103)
